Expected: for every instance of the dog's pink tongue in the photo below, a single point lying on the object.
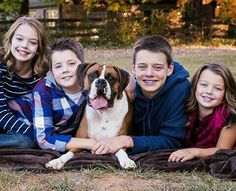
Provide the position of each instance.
(99, 102)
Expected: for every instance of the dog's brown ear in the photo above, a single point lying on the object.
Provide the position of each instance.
(124, 80)
(81, 71)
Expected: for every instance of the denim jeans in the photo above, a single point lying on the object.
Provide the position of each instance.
(16, 140)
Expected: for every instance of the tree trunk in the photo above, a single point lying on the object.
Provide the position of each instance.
(24, 8)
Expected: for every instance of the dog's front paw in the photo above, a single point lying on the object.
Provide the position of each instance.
(127, 163)
(58, 163)
(55, 164)
(124, 160)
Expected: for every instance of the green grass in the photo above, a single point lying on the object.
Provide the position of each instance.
(192, 61)
(103, 179)
(191, 58)
(9, 179)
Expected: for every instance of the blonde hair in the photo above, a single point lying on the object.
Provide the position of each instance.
(39, 62)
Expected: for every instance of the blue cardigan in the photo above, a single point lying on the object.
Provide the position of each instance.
(159, 121)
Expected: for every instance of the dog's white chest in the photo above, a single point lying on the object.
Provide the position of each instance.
(107, 122)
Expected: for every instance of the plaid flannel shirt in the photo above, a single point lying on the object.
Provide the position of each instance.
(55, 116)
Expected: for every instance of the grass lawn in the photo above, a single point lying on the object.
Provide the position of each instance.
(120, 180)
(190, 57)
(112, 180)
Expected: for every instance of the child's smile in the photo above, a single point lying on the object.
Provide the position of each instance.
(24, 43)
(151, 71)
(64, 67)
(210, 91)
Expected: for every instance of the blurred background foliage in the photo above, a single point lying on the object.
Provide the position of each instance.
(205, 22)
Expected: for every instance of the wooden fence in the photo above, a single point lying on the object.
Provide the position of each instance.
(104, 28)
(86, 29)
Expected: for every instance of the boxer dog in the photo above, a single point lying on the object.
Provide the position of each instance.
(108, 111)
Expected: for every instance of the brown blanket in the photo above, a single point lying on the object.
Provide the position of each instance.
(222, 164)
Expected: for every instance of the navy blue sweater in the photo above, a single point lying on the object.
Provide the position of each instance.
(159, 121)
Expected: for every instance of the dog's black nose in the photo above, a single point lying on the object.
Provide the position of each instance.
(100, 84)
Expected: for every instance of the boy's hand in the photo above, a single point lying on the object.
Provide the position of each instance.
(109, 145)
(112, 145)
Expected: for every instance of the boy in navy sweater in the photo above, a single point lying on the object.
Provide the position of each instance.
(160, 95)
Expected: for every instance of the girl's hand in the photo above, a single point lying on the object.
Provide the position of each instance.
(183, 155)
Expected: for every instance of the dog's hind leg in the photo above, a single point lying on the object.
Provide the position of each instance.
(82, 131)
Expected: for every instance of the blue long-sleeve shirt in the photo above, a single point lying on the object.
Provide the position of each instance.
(55, 116)
(159, 121)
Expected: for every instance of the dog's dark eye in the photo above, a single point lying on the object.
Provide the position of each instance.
(110, 78)
(93, 76)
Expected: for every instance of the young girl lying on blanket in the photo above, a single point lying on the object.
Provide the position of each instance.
(23, 66)
(212, 113)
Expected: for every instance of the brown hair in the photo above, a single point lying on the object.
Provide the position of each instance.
(66, 44)
(154, 44)
(230, 87)
(40, 61)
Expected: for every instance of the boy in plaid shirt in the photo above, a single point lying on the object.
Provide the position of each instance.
(58, 99)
